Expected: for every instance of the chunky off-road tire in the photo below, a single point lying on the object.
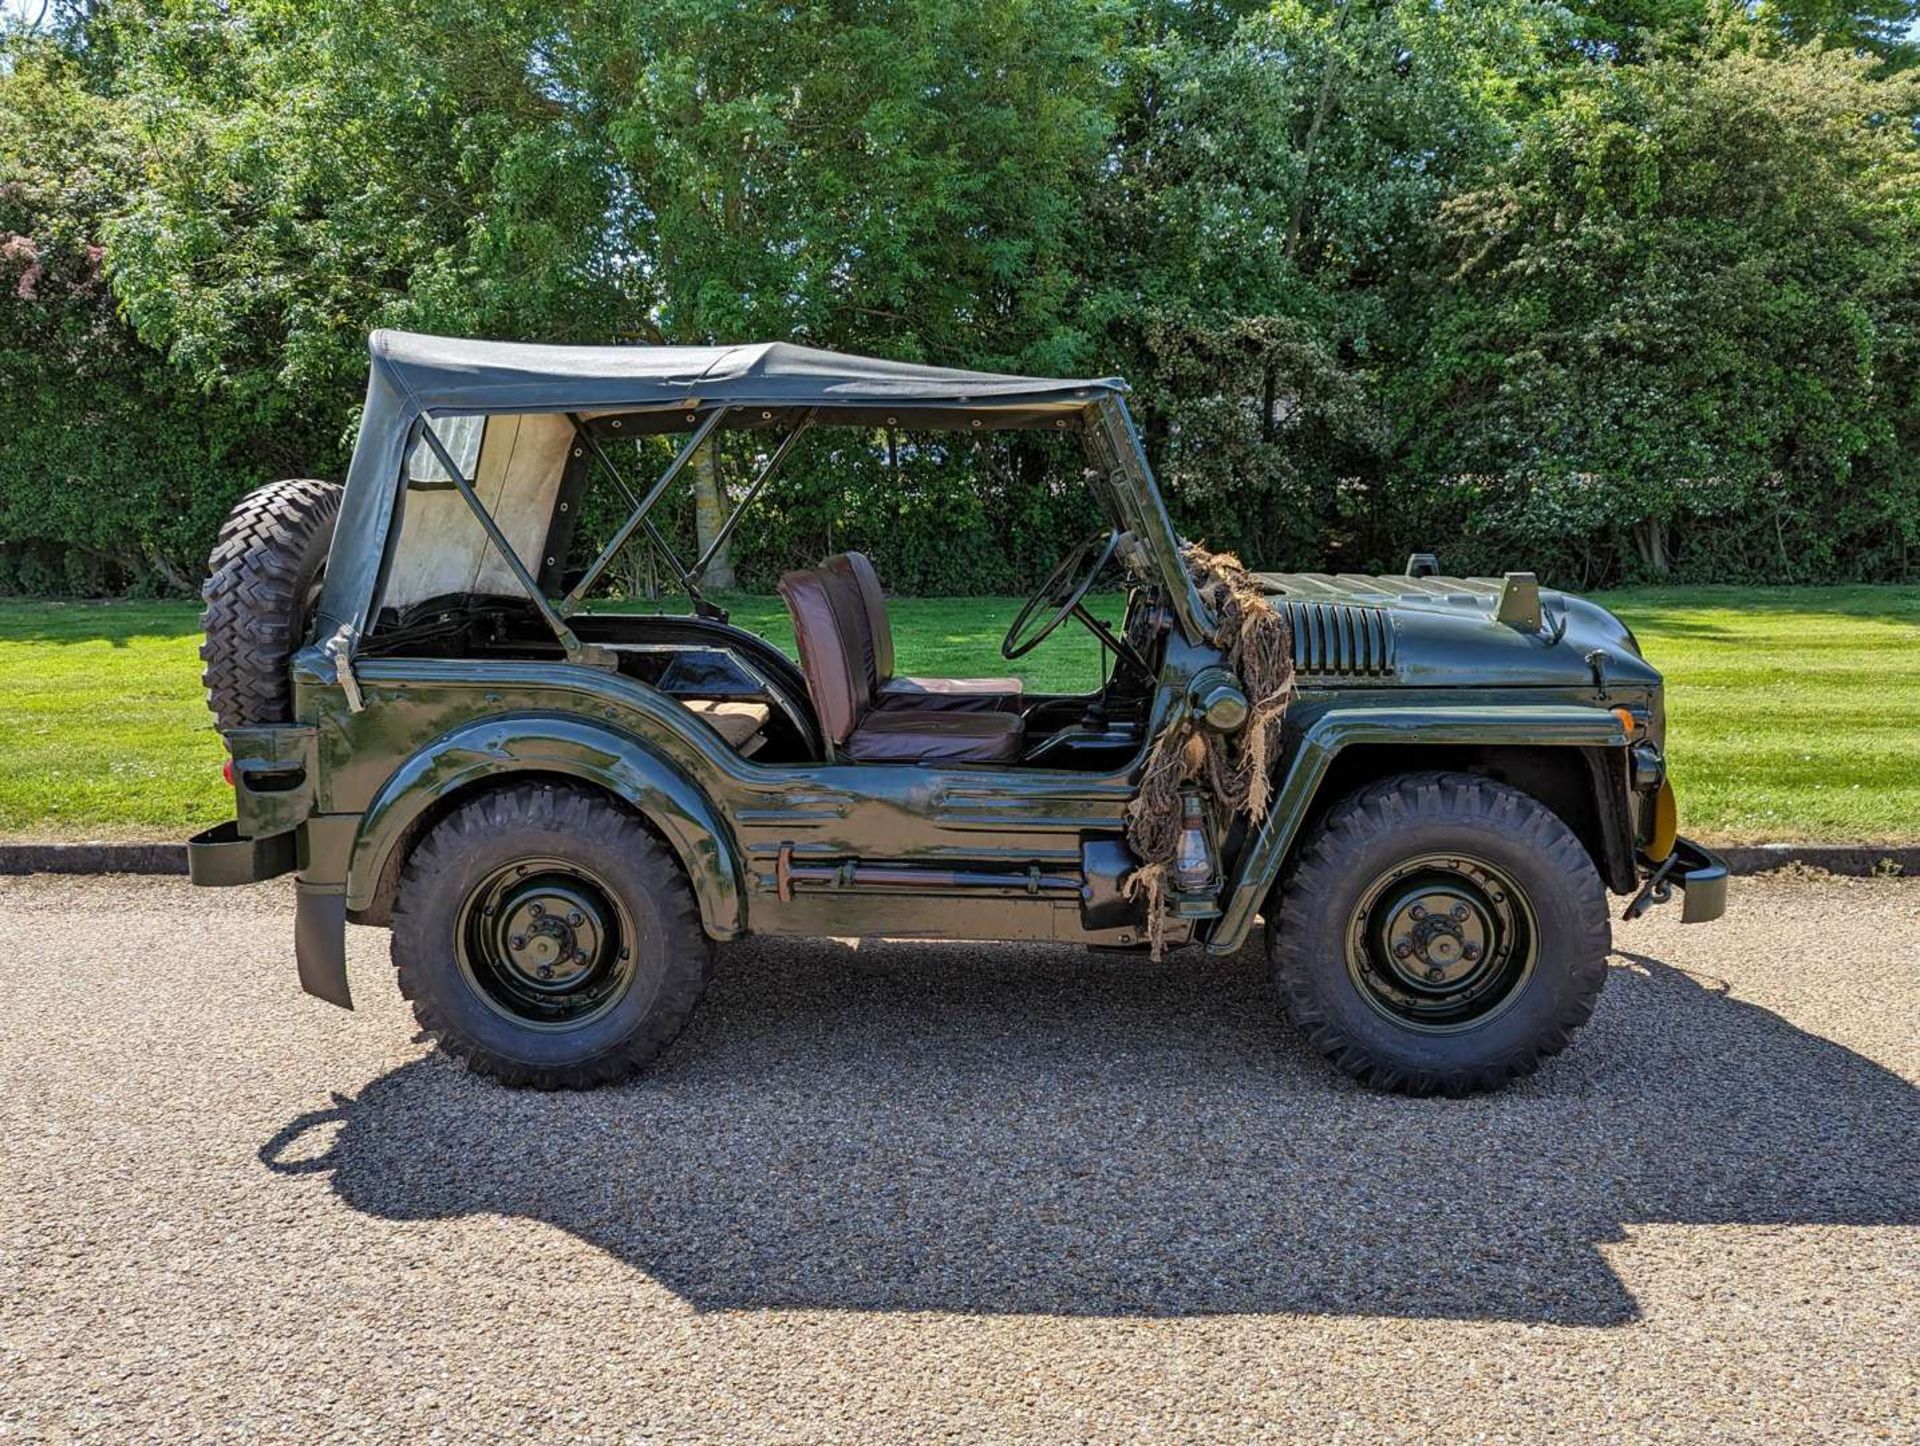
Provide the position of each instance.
(547, 938)
(263, 579)
(1440, 933)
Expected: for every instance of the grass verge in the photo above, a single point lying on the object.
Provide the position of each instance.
(1794, 713)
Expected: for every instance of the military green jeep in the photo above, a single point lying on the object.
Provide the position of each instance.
(558, 813)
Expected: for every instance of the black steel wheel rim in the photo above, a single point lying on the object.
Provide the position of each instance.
(546, 943)
(1442, 942)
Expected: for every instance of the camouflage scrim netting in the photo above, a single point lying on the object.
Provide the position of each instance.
(1258, 644)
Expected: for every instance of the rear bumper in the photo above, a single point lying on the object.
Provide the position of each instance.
(1701, 876)
(220, 857)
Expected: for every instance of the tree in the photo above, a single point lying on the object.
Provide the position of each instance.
(1633, 31)
(314, 172)
(1273, 193)
(1589, 287)
(114, 471)
(1689, 296)
(901, 179)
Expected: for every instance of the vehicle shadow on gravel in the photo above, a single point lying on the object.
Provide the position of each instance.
(943, 1128)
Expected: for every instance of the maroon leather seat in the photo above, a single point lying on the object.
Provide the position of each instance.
(907, 735)
(945, 695)
(830, 628)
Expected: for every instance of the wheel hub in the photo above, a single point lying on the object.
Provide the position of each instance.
(1437, 937)
(553, 934)
(546, 943)
(1441, 942)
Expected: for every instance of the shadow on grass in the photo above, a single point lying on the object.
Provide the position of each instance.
(1032, 1130)
(1648, 625)
(115, 623)
(1677, 611)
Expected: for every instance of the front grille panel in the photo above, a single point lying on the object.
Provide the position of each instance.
(1339, 640)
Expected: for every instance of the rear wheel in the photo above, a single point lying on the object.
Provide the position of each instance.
(548, 939)
(1440, 933)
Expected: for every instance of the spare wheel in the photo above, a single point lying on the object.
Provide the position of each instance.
(265, 575)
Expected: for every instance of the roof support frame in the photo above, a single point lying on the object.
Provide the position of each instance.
(686, 579)
(638, 518)
(689, 577)
(767, 469)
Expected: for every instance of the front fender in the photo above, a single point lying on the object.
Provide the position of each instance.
(1537, 725)
(555, 745)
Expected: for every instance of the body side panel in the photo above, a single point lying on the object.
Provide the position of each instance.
(450, 725)
(433, 728)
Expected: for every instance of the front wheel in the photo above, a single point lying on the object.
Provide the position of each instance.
(548, 939)
(1440, 933)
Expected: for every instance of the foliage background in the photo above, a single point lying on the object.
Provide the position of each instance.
(1621, 290)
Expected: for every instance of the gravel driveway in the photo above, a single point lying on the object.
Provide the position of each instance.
(934, 1191)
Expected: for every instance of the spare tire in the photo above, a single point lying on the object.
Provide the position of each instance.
(264, 578)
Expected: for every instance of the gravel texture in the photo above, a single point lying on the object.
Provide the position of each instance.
(925, 1192)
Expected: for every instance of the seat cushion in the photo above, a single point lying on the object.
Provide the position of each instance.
(737, 722)
(858, 572)
(955, 721)
(900, 735)
(951, 695)
(861, 606)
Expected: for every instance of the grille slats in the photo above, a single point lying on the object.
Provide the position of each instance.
(1341, 640)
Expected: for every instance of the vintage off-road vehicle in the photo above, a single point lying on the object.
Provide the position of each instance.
(559, 813)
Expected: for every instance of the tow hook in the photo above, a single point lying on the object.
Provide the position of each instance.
(1697, 872)
(1656, 890)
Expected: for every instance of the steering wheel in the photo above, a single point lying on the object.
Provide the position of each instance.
(1063, 592)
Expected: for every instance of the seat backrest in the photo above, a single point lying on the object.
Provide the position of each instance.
(830, 630)
(864, 582)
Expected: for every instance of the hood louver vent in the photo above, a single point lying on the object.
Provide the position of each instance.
(1339, 640)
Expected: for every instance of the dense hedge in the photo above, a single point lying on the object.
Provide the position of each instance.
(1615, 290)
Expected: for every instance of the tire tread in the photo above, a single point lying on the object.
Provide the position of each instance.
(1369, 817)
(421, 964)
(267, 552)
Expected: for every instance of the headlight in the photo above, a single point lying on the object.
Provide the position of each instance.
(1649, 767)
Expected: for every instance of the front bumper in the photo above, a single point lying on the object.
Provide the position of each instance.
(1701, 876)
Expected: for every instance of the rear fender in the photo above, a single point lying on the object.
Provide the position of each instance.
(496, 748)
(1312, 757)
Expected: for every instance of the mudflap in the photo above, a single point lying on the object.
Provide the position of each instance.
(320, 943)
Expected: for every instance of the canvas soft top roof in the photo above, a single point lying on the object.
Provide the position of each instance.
(415, 379)
(447, 374)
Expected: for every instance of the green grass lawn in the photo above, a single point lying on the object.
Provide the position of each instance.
(1794, 713)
